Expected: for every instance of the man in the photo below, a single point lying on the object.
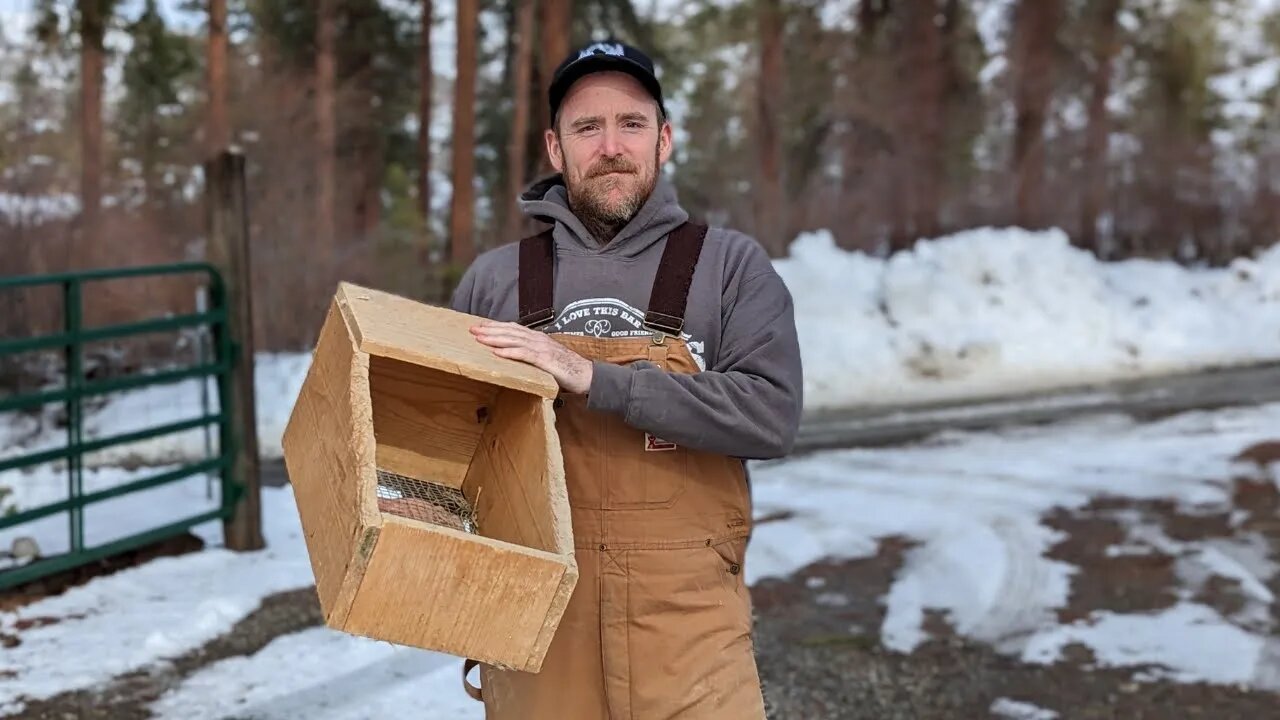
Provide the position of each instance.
(675, 349)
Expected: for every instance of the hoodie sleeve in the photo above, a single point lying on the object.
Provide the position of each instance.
(747, 405)
(463, 299)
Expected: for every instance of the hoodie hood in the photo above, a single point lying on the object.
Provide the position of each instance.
(547, 200)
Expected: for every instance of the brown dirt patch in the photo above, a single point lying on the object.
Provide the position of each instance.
(1121, 583)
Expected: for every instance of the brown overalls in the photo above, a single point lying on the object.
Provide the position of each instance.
(659, 625)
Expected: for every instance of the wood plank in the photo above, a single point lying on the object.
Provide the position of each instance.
(362, 553)
(475, 597)
(329, 456)
(228, 233)
(425, 421)
(435, 337)
(521, 507)
(517, 477)
(562, 528)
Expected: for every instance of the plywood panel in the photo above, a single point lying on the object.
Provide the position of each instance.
(329, 458)
(425, 421)
(436, 587)
(435, 337)
(517, 479)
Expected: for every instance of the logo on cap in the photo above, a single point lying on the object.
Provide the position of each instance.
(601, 48)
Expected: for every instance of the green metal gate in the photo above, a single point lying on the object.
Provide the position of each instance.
(76, 389)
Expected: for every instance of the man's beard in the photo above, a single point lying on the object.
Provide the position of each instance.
(590, 202)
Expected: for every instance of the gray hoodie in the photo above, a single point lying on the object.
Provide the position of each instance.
(739, 324)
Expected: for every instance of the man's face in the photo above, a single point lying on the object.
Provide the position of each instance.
(609, 146)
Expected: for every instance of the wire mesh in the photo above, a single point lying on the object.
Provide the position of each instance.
(426, 501)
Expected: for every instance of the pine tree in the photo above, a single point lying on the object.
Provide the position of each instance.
(462, 205)
(218, 121)
(1035, 46)
(770, 220)
(159, 66)
(1102, 21)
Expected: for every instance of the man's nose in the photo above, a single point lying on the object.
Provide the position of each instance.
(611, 142)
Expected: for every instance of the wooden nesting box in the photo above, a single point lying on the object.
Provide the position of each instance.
(429, 481)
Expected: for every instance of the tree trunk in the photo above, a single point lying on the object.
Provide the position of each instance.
(462, 206)
(370, 155)
(1035, 28)
(870, 14)
(770, 210)
(1098, 130)
(92, 29)
(148, 160)
(922, 114)
(521, 77)
(326, 135)
(556, 33)
(424, 119)
(219, 123)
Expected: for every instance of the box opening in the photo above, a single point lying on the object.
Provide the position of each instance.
(426, 426)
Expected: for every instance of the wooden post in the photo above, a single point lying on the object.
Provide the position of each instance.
(228, 250)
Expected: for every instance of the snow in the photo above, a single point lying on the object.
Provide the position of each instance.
(156, 507)
(122, 622)
(1016, 710)
(973, 505)
(1190, 639)
(32, 209)
(278, 378)
(1001, 311)
(373, 679)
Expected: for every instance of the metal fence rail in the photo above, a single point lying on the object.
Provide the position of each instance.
(76, 389)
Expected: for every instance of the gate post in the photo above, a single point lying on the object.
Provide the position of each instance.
(228, 250)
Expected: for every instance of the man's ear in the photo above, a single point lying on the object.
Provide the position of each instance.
(554, 153)
(666, 140)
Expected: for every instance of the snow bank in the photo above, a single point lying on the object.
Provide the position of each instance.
(997, 312)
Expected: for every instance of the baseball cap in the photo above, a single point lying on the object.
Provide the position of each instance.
(601, 57)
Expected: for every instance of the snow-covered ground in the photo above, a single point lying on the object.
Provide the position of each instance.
(975, 504)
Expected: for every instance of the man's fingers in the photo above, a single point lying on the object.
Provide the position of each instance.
(507, 332)
(489, 326)
(518, 352)
(504, 341)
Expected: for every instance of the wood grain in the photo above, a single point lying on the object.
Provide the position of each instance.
(435, 337)
(496, 597)
(439, 588)
(513, 481)
(517, 485)
(426, 422)
(329, 456)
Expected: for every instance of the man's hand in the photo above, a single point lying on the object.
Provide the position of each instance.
(517, 342)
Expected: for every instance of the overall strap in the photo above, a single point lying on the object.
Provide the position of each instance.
(536, 277)
(675, 272)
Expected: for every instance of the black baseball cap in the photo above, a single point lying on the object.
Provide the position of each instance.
(600, 57)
